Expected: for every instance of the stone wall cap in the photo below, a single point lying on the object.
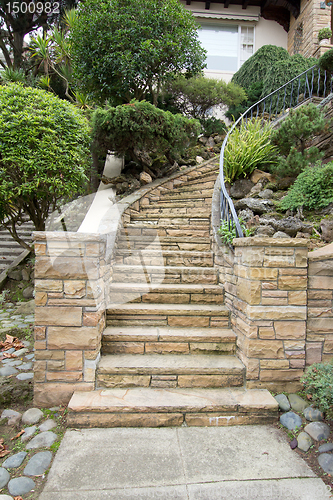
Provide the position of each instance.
(66, 236)
(324, 253)
(270, 242)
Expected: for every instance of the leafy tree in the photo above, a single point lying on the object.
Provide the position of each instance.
(15, 24)
(197, 95)
(293, 136)
(123, 49)
(44, 155)
(141, 131)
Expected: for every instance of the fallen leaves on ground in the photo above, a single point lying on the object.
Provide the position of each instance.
(18, 498)
(9, 343)
(18, 435)
(3, 449)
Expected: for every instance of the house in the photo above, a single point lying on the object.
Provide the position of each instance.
(232, 30)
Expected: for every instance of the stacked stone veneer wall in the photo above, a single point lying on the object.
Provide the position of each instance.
(71, 278)
(319, 335)
(312, 18)
(265, 282)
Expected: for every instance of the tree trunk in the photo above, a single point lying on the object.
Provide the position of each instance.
(18, 49)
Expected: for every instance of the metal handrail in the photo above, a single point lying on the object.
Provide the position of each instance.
(228, 212)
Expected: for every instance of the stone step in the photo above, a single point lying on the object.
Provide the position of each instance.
(209, 176)
(6, 238)
(148, 407)
(164, 258)
(172, 370)
(189, 231)
(140, 220)
(166, 212)
(163, 242)
(173, 315)
(14, 250)
(175, 195)
(163, 340)
(197, 186)
(170, 216)
(164, 274)
(192, 204)
(122, 293)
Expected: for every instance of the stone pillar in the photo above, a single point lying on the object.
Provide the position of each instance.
(71, 278)
(319, 337)
(268, 300)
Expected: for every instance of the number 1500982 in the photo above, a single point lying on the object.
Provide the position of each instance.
(33, 7)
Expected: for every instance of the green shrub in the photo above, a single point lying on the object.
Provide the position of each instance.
(256, 67)
(324, 34)
(318, 382)
(44, 154)
(213, 125)
(313, 189)
(292, 139)
(196, 96)
(140, 127)
(249, 147)
(283, 71)
(253, 96)
(326, 61)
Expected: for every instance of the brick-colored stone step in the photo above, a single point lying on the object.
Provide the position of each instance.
(170, 217)
(164, 258)
(166, 293)
(198, 203)
(209, 176)
(174, 315)
(159, 340)
(189, 231)
(165, 222)
(197, 187)
(152, 211)
(163, 242)
(172, 370)
(11, 249)
(167, 274)
(148, 407)
(175, 195)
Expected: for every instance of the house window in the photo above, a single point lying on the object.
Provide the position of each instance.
(298, 39)
(228, 46)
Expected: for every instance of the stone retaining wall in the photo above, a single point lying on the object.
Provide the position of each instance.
(319, 334)
(265, 290)
(71, 279)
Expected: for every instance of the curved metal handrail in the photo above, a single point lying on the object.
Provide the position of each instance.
(228, 212)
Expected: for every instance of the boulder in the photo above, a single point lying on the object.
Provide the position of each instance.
(145, 178)
(318, 430)
(240, 188)
(203, 139)
(266, 194)
(283, 402)
(26, 308)
(281, 234)
(199, 159)
(218, 139)
(210, 143)
(259, 174)
(257, 206)
(291, 420)
(265, 231)
(291, 226)
(245, 215)
(304, 441)
(327, 230)
(28, 292)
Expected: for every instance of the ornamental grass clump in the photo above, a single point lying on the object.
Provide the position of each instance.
(318, 383)
(249, 147)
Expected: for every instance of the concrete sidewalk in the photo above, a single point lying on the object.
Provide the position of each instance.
(220, 463)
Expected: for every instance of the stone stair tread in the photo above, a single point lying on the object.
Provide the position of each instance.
(168, 309)
(167, 364)
(159, 400)
(167, 334)
(159, 269)
(167, 288)
(166, 253)
(161, 239)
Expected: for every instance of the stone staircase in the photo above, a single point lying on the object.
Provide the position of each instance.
(10, 250)
(168, 352)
